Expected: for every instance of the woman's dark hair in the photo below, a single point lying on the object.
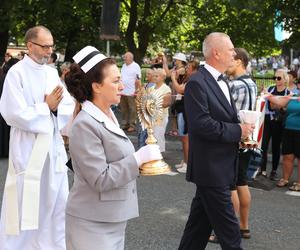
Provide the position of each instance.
(79, 84)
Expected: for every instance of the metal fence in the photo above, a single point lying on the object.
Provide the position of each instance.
(263, 82)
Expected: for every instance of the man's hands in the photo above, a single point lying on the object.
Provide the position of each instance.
(54, 98)
(247, 130)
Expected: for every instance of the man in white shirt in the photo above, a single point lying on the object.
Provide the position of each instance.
(130, 74)
(214, 135)
(36, 106)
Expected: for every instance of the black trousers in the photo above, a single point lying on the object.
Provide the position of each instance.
(211, 208)
(272, 129)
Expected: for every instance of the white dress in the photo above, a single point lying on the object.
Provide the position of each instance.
(23, 108)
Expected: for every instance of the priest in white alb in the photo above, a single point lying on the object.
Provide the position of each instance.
(36, 106)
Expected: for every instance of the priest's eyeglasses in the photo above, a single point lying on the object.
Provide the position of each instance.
(44, 47)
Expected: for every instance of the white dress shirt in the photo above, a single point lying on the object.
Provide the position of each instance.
(223, 85)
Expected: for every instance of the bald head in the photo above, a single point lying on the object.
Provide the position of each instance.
(211, 41)
(128, 58)
(32, 33)
(218, 51)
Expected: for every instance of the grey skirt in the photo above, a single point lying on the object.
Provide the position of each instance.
(83, 234)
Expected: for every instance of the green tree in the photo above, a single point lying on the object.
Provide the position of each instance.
(289, 17)
(249, 23)
(73, 23)
(5, 20)
(141, 20)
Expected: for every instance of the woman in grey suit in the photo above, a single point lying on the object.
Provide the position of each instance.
(105, 165)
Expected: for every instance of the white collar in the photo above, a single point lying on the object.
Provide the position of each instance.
(214, 72)
(28, 60)
(100, 116)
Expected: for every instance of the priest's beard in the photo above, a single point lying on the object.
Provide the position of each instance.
(42, 60)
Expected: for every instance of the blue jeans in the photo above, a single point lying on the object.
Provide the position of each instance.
(142, 136)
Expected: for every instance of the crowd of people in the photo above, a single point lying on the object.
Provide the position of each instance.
(48, 112)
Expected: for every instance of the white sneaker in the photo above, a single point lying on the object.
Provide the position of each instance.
(182, 169)
(180, 165)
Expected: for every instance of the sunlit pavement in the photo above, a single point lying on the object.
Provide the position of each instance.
(164, 203)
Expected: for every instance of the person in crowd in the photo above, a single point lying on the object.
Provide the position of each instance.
(192, 67)
(52, 60)
(4, 128)
(7, 57)
(275, 64)
(142, 133)
(291, 138)
(103, 196)
(180, 63)
(21, 55)
(273, 125)
(244, 93)
(36, 106)
(159, 76)
(64, 69)
(158, 61)
(131, 75)
(292, 81)
(214, 135)
(297, 90)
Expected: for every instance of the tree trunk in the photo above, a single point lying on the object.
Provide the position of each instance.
(3, 44)
(70, 50)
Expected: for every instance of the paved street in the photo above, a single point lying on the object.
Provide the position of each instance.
(165, 201)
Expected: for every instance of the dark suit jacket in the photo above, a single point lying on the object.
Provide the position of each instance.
(214, 132)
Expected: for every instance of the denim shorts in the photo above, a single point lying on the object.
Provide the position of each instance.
(181, 124)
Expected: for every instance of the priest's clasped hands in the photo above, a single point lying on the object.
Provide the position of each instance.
(54, 98)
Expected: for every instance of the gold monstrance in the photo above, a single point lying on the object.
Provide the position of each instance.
(149, 108)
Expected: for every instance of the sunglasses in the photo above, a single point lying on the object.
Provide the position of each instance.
(277, 78)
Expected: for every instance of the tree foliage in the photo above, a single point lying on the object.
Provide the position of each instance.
(73, 23)
(151, 25)
(249, 23)
(289, 17)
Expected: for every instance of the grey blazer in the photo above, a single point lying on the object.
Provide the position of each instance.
(105, 169)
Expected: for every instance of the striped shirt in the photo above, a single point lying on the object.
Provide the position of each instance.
(240, 93)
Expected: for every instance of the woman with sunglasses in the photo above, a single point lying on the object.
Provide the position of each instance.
(273, 126)
(291, 138)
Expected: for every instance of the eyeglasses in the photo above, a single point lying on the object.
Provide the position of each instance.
(277, 78)
(44, 47)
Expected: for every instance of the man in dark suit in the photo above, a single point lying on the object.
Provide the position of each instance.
(214, 133)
